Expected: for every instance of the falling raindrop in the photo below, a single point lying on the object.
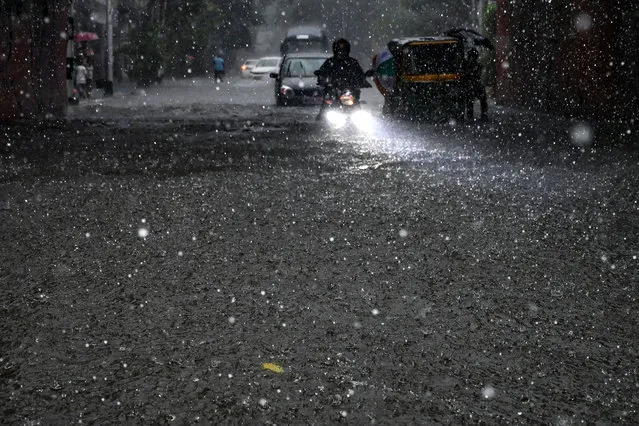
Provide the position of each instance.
(488, 392)
(581, 134)
(582, 22)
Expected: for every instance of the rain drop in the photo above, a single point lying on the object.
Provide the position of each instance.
(581, 134)
(582, 22)
(488, 392)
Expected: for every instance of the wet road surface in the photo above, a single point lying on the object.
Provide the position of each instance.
(196, 254)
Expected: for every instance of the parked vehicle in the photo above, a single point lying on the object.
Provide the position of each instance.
(305, 39)
(247, 66)
(341, 106)
(295, 82)
(265, 66)
(425, 77)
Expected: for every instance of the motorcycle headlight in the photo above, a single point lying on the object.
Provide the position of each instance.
(347, 99)
(335, 119)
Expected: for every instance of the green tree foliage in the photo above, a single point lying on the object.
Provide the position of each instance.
(181, 35)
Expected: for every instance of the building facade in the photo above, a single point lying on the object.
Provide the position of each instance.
(33, 59)
(573, 57)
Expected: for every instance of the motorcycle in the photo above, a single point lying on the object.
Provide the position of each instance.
(341, 106)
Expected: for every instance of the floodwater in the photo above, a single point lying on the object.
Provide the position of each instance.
(195, 254)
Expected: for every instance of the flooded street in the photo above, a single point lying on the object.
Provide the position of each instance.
(193, 253)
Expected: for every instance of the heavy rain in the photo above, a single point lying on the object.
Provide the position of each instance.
(205, 220)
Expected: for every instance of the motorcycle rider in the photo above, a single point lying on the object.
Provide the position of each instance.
(342, 70)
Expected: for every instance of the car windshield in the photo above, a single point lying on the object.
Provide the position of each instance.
(432, 58)
(267, 63)
(301, 67)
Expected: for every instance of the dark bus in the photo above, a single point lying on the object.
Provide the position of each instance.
(305, 39)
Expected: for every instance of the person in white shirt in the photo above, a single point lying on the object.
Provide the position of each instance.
(81, 79)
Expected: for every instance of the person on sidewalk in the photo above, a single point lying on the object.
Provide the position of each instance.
(474, 87)
(81, 79)
(218, 63)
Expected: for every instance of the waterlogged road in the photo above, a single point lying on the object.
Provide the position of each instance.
(194, 254)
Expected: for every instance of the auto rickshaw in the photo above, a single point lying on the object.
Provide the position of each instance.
(422, 77)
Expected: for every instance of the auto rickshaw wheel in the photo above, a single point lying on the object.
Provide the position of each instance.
(390, 107)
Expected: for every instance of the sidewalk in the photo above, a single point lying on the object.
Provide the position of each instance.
(581, 132)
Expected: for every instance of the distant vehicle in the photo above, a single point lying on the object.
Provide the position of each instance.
(265, 66)
(295, 83)
(305, 39)
(247, 66)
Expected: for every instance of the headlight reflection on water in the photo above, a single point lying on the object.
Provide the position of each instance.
(363, 120)
(379, 136)
(372, 134)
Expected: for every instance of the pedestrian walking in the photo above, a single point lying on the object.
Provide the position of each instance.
(81, 79)
(218, 65)
(474, 87)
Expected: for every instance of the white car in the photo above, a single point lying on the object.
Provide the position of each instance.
(263, 69)
(247, 66)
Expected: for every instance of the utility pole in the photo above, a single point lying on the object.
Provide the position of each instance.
(108, 90)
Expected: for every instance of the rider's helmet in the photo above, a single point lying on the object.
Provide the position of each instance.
(341, 48)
